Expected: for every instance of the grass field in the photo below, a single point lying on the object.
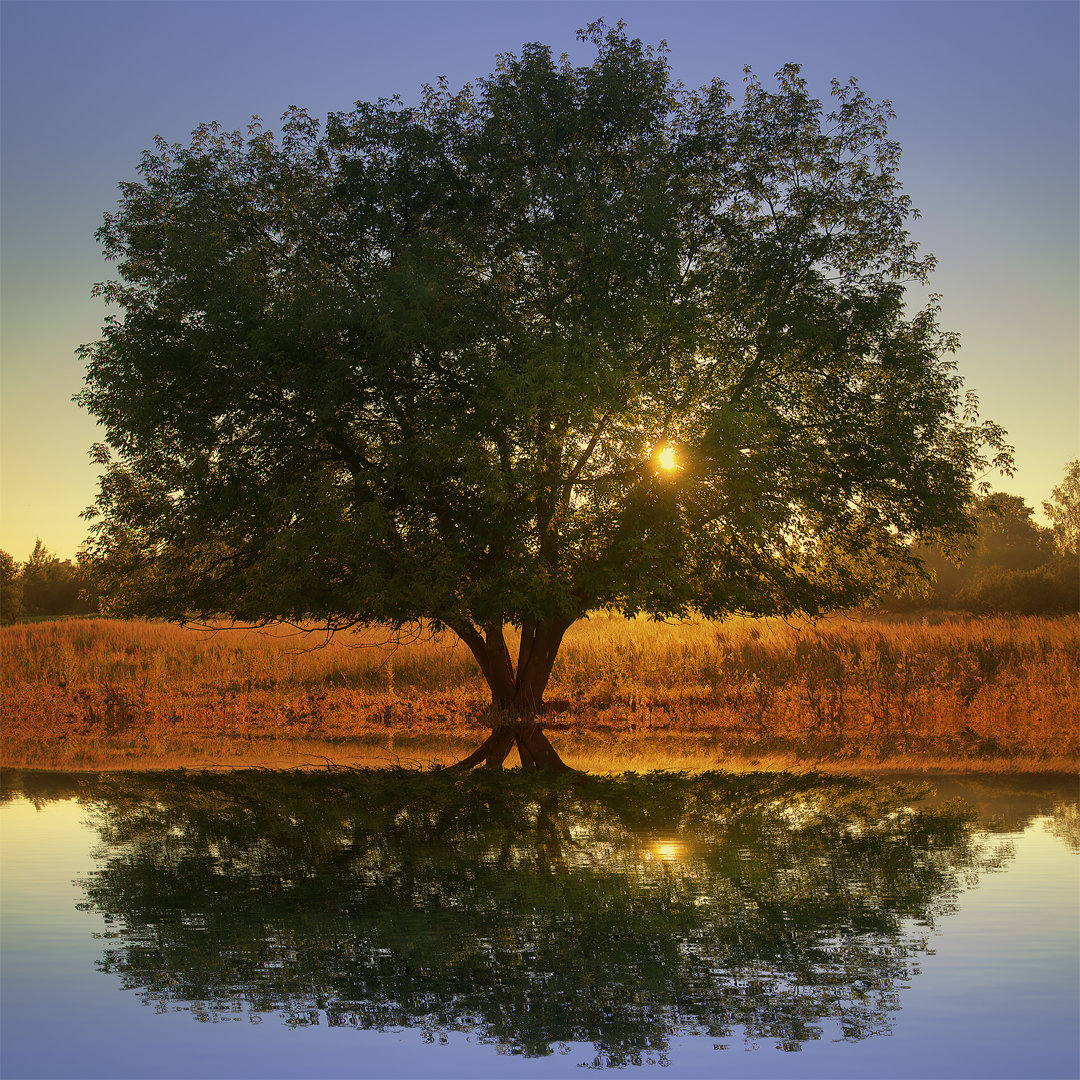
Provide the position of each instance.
(857, 695)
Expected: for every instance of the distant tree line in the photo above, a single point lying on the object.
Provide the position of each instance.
(45, 586)
(1013, 566)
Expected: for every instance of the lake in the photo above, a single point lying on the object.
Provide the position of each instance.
(402, 924)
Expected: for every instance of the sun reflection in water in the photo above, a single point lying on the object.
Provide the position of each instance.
(667, 850)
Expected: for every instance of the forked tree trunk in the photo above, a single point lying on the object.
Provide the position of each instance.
(517, 694)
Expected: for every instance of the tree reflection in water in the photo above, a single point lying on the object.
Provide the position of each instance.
(613, 911)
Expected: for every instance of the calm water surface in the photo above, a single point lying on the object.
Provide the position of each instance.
(401, 925)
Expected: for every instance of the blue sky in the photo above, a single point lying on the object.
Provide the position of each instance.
(987, 97)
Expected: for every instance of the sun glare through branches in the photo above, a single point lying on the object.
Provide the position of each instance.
(666, 458)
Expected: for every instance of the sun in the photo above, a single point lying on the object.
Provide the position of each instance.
(666, 459)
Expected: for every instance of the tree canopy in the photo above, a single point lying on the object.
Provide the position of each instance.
(10, 590)
(51, 586)
(1063, 510)
(1011, 564)
(569, 338)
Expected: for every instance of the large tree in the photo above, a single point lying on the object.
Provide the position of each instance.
(571, 338)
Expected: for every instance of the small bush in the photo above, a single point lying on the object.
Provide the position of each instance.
(1044, 591)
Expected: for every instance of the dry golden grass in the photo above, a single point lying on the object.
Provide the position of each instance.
(987, 694)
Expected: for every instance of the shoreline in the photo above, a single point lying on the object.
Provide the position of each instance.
(596, 760)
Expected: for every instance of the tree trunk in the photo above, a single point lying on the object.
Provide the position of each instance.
(517, 696)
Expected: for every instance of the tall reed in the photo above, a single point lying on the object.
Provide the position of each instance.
(979, 693)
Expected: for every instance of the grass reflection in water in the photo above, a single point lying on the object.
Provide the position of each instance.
(613, 911)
